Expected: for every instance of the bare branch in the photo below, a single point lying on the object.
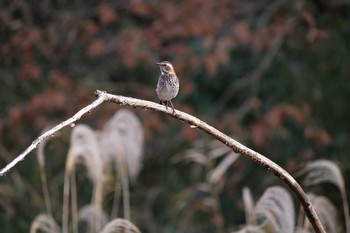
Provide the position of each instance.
(51, 133)
(194, 123)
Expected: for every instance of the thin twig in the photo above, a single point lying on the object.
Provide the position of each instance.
(194, 123)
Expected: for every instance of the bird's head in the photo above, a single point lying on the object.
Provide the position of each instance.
(166, 67)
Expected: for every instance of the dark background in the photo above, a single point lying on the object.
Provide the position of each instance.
(272, 74)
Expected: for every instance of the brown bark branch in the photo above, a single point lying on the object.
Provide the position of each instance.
(194, 123)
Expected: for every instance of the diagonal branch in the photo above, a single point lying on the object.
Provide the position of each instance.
(194, 123)
(51, 133)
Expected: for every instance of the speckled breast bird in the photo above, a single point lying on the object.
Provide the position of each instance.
(168, 83)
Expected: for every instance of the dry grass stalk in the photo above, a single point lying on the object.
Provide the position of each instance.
(210, 179)
(92, 217)
(218, 172)
(84, 149)
(248, 206)
(41, 162)
(122, 143)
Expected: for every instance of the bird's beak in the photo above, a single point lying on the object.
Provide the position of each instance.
(158, 63)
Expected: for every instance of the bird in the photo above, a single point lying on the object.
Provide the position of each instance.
(168, 84)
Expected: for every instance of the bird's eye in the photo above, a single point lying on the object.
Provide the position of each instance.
(167, 67)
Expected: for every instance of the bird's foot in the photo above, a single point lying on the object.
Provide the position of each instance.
(172, 106)
(163, 103)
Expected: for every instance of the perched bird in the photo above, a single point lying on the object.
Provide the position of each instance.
(168, 83)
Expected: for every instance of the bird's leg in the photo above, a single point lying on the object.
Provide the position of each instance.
(172, 105)
(162, 102)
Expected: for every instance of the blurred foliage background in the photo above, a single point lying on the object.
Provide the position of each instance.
(273, 74)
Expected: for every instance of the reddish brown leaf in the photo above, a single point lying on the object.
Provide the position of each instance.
(211, 64)
(243, 33)
(37, 102)
(96, 48)
(278, 28)
(315, 34)
(259, 134)
(31, 71)
(291, 165)
(15, 115)
(223, 47)
(261, 39)
(318, 135)
(139, 8)
(107, 14)
(309, 18)
(61, 80)
(308, 154)
(89, 29)
(277, 115)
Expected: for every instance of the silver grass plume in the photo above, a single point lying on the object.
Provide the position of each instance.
(44, 223)
(120, 226)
